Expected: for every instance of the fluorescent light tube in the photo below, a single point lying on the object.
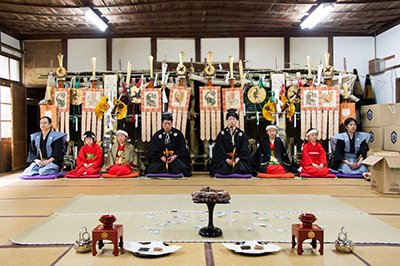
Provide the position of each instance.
(317, 15)
(89, 13)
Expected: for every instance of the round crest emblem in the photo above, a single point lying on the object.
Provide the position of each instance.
(393, 137)
(175, 134)
(370, 114)
(222, 132)
(371, 136)
(240, 134)
(160, 136)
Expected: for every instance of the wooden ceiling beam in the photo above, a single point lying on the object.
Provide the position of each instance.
(244, 2)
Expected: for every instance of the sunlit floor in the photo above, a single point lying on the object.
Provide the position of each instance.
(27, 202)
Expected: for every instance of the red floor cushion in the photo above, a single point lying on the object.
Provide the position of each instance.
(286, 175)
(310, 176)
(83, 176)
(133, 175)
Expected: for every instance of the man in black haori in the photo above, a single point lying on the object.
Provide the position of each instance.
(231, 153)
(167, 152)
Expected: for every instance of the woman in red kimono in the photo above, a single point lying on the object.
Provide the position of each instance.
(90, 158)
(313, 159)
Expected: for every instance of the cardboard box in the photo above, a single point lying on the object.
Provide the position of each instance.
(385, 172)
(380, 115)
(375, 137)
(391, 138)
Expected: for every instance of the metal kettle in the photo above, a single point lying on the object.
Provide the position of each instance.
(84, 243)
(342, 244)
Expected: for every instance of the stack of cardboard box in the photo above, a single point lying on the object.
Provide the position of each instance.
(382, 122)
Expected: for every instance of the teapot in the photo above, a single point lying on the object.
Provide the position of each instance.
(342, 244)
(84, 243)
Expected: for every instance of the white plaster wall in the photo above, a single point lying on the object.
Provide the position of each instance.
(137, 50)
(387, 44)
(261, 52)
(81, 50)
(169, 49)
(7, 39)
(357, 51)
(300, 48)
(222, 49)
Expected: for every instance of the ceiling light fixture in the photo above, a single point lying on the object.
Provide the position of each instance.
(95, 18)
(317, 15)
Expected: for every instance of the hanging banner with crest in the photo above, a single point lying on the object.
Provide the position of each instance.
(330, 106)
(90, 122)
(178, 105)
(151, 111)
(61, 99)
(233, 98)
(210, 111)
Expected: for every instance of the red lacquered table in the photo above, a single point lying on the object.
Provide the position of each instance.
(302, 233)
(114, 234)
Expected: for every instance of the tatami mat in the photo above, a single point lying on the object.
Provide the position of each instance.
(355, 192)
(15, 226)
(32, 256)
(189, 254)
(30, 206)
(287, 256)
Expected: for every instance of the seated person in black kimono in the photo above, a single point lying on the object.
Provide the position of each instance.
(231, 153)
(167, 151)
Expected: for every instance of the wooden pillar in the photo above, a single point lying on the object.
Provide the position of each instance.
(286, 52)
(109, 53)
(64, 51)
(197, 49)
(330, 49)
(242, 49)
(153, 50)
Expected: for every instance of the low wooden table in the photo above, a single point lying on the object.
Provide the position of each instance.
(100, 233)
(315, 233)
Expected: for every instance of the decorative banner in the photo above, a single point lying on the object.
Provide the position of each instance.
(151, 111)
(90, 122)
(233, 98)
(330, 98)
(178, 105)
(61, 99)
(109, 125)
(50, 111)
(210, 112)
(309, 104)
(347, 110)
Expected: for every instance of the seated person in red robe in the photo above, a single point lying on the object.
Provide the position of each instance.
(313, 158)
(271, 157)
(90, 157)
(122, 159)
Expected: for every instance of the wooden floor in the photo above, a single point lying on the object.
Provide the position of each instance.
(24, 203)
